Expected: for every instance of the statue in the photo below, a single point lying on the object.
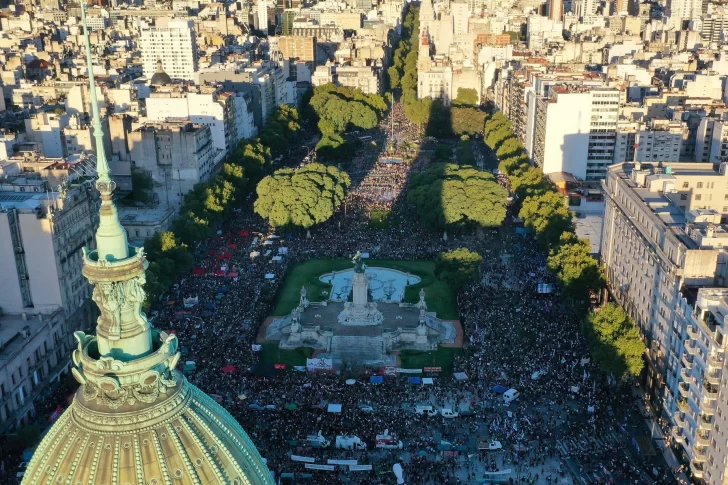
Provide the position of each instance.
(421, 304)
(303, 301)
(359, 265)
(135, 295)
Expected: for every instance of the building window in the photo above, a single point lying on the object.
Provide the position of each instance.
(686, 185)
(700, 185)
(698, 196)
(683, 196)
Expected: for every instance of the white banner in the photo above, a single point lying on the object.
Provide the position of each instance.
(342, 462)
(312, 365)
(305, 459)
(359, 468)
(256, 347)
(408, 371)
(320, 467)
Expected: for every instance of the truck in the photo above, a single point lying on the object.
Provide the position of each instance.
(350, 442)
(388, 442)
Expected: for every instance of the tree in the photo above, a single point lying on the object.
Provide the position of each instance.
(615, 342)
(451, 196)
(510, 147)
(528, 182)
(548, 216)
(466, 97)
(576, 269)
(394, 77)
(417, 111)
(457, 267)
(301, 197)
(467, 121)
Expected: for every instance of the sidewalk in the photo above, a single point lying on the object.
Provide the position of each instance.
(659, 439)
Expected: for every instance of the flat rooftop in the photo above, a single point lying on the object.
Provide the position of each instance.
(11, 338)
(24, 200)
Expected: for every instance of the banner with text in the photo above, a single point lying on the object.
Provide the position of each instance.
(409, 371)
(359, 468)
(313, 365)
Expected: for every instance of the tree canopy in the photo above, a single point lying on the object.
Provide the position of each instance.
(301, 197)
(615, 342)
(578, 272)
(448, 195)
(548, 216)
(466, 97)
(457, 267)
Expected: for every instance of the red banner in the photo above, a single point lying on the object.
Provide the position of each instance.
(279, 366)
(433, 369)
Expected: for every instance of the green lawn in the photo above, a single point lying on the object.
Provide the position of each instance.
(271, 354)
(442, 357)
(440, 297)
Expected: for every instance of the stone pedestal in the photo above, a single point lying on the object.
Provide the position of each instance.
(360, 288)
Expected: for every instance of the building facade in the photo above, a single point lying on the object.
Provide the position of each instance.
(175, 45)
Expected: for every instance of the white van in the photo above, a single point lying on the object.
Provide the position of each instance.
(510, 395)
(425, 410)
(448, 413)
(350, 442)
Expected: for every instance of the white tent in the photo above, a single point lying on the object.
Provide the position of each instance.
(334, 408)
(427, 381)
(461, 376)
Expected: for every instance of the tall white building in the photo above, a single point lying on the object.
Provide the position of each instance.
(679, 11)
(575, 130)
(664, 252)
(175, 45)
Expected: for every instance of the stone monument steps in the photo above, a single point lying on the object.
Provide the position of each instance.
(357, 348)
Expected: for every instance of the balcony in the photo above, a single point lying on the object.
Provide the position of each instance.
(680, 419)
(682, 404)
(700, 453)
(693, 333)
(703, 439)
(697, 469)
(713, 378)
(716, 361)
(687, 361)
(690, 348)
(710, 392)
(705, 423)
(686, 375)
(684, 389)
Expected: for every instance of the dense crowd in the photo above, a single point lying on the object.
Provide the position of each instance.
(513, 337)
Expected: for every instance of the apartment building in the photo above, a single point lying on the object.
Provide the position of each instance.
(655, 141)
(34, 351)
(575, 130)
(177, 155)
(663, 261)
(41, 237)
(302, 48)
(175, 45)
(205, 105)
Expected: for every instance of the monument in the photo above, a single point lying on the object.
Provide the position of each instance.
(360, 311)
(364, 319)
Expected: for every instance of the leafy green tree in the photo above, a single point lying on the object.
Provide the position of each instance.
(466, 97)
(510, 147)
(457, 267)
(513, 165)
(395, 77)
(528, 182)
(451, 196)
(467, 121)
(418, 111)
(615, 342)
(576, 269)
(301, 197)
(548, 216)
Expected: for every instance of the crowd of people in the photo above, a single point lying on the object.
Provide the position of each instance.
(514, 337)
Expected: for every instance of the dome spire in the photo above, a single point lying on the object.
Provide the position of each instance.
(111, 240)
(116, 270)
